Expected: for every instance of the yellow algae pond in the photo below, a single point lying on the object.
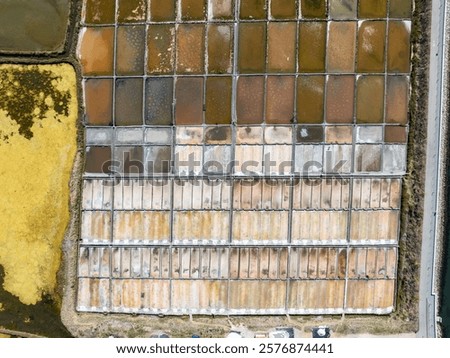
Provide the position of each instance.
(38, 127)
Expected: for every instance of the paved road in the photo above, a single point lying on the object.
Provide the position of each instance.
(432, 212)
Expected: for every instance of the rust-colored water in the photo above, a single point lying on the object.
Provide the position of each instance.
(252, 47)
(310, 98)
(218, 100)
(161, 49)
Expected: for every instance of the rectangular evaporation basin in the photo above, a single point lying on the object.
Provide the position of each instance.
(162, 10)
(343, 9)
(218, 100)
(98, 101)
(159, 100)
(250, 100)
(99, 136)
(33, 26)
(400, 8)
(131, 159)
(130, 50)
(129, 136)
(283, 9)
(96, 51)
(397, 97)
(280, 99)
(370, 99)
(220, 44)
(129, 93)
(310, 99)
(99, 11)
(192, 9)
(159, 135)
(314, 9)
(369, 134)
(249, 135)
(278, 135)
(132, 10)
(189, 100)
(218, 135)
(339, 134)
(190, 48)
(189, 135)
(395, 134)
(372, 8)
(341, 47)
(221, 9)
(308, 134)
(312, 45)
(371, 46)
(368, 158)
(399, 46)
(160, 49)
(252, 47)
(253, 9)
(340, 99)
(157, 159)
(96, 157)
(281, 51)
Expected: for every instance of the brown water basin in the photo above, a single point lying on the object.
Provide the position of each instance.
(314, 8)
(161, 49)
(400, 8)
(398, 47)
(159, 99)
(250, 100)
(395, 134)
(99, 11)
(252, 47)
(221, 9)
(98, 95)
(253, 9)
(312, 44)
(129, 101)
(340, 99)
(189, 100)
(341, 47)
(283, 9)
(96, 157)
(162, 10)
(397, 99)
(371, 46)
(370, 99)
(96, 51)
(310, 98)
(281, 47)
(372, 8)
(220, 45)
(130, 55)
(190, 48)
(280, 99)
(193, 9)
(218, 100)
(132, 10)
